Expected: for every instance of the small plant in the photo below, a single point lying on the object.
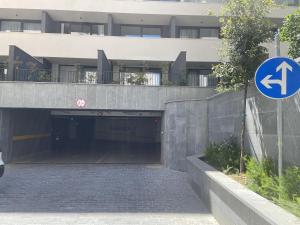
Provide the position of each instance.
(224, 156)
(137, 79)
(261, 178)
(290, 185)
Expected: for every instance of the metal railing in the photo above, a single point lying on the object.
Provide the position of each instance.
(34, 75)
(121, 78)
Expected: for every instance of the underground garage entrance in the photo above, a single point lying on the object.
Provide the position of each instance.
(102, 137)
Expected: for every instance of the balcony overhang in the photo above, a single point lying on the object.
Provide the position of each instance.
(116, 48)
(124, 12)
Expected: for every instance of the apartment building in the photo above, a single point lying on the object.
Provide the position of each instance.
(97, 71)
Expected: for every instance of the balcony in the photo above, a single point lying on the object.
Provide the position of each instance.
(120, 78)
(116, 48)
(61, 46)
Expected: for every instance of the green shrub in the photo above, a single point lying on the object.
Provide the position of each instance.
(290, 185)
(261, 178)
(224, 156)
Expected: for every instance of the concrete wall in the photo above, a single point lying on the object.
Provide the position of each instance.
(232, 203)
(104, 71)
(177, 74)
(225, 120)
(113, 97)
(184, 132)
(24, 132)
(19, 59)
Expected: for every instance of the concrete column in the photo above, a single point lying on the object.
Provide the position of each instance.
(116, 74)
(172, 27)
(55, 73)
(6, 134)
(48, 24)
(11, 64)
(177, 73)
(110, 25)
(104, 71)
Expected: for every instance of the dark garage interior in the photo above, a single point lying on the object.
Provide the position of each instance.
(101, 139)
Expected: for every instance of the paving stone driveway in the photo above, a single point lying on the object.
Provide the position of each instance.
(98, 194)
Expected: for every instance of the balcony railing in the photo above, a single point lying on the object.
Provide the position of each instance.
(34, 75)
(120, 78)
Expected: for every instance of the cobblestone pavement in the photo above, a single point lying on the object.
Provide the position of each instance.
(98, 195)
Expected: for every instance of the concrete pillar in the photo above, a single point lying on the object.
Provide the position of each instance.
(177, 73)
(116, 74)
(11, 64)
(55, 73)
(104, 71)
(48, 24)
(172, 27)
(6, 134)
(110, 25)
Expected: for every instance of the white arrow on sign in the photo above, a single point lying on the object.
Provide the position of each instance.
(284, 66)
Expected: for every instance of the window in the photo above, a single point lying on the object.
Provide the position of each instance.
(32, 27)
(82, 28)
(152, 76)
(139, 31)
(19, 26)
(151, 32)
(89, 75)
(98, 29)
(199, 78)
(209, 32)
(189, 33)
(68, 74)
(79, 28)
(131, 31)
(198, 32)
(11, 26)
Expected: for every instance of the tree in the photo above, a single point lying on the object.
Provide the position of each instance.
(244, 29)
(290, 32)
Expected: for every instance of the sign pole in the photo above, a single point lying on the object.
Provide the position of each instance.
(279, 114)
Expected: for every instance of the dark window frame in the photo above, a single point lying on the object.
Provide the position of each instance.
(22, 23)
(141, 28)
(198, 30)
(82, 23)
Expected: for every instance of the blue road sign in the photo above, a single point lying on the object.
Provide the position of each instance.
(278, 78)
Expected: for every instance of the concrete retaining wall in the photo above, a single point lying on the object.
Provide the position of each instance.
(110, 97)
(224, 115)
(184, 132)
(232, 203)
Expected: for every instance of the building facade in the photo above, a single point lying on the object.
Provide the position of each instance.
(64, 60)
